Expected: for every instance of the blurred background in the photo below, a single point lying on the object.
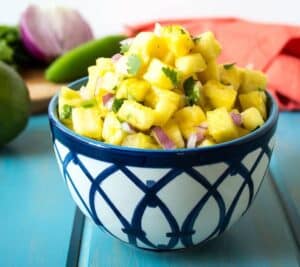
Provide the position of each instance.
(109, 16)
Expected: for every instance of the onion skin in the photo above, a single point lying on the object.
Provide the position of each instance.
(47, 34)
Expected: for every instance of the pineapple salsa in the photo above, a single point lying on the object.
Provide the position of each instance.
(164, 91)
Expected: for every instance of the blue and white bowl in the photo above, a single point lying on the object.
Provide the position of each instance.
(163, 199)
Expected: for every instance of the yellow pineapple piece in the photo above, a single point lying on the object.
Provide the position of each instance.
(252, 80)
(255, 99)
(178, 40)
(242, 131)
(148, 45)
(166, 103)
(133, 88)
(173, 132)
(208, 46)
(230, 75)
(161, 75)
(210, 73)
(104, 65)
(207, 142)
(140, 140)
(252, 118)
(136, 114)
(112, 129)
(188, 118)
(220, 95)
(221, 126)
(87, 122)
(68, 99)
(190, 64)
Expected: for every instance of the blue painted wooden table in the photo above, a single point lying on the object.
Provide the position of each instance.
(39, 225)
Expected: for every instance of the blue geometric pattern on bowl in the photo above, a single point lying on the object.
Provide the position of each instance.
(163, 200)
(210, 196)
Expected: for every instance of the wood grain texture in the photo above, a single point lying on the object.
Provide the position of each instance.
(40, 89)
(261, 238)
(35, 206)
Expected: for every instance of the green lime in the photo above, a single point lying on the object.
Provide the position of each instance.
(14, 104)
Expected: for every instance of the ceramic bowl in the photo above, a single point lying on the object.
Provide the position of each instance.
(163, 199)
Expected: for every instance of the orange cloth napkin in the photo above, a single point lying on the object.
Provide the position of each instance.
(272, 48)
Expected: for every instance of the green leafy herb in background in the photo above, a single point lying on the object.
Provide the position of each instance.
(171, 74)
(134, 64)
(12, 51)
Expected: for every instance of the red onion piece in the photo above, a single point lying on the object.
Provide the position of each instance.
(127, 128)
(162, 138)
(47, 34)
(106, 98)
(191, 142)
(116, 57)
(237, 118)
(194, 138)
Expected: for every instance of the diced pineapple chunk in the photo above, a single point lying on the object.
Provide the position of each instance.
(136, 114)
(157, 75)
(178, 39)
(208, 46)
(68, 99)
(109, 82)
(255, 99)
(220, 95)
(148, 45)
(242, 131)
(252, 80)
(104, 65)
(112, 130)
(221, 126)
(252, 118)
(188, 118)
(190, 64)
(164, 103)
(207, 142)
(173, 132)
(140, 140)
(230, 75)
(210, 73)
(133, 88)
(87, 122)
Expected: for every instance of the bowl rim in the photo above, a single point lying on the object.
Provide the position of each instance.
(268, 125)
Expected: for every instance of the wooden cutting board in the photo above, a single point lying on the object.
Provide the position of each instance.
(40, 90)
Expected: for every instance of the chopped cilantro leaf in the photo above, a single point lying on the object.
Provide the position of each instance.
(228, 66)
(124, 48)
(66, 112)
(134, 64)
(171, 74)
(117, 104)
(88, 103)
(196, 39)
(192, 91)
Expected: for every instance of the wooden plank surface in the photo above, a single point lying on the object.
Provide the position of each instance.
(40, 90)
(261, 238)
(36, 208)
